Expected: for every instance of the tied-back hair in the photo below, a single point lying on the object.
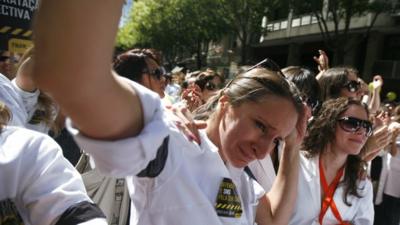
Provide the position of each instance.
(305, 81)
(333, 80)
(47, 109)
(322, 131)
(5, 115)
(46, 113)
(132, 63)
(207, 76)
(252, 86)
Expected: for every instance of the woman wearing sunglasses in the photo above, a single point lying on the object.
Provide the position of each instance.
(340, 82)
(142, 66)
(344, 82)
(330, 189)
(171, 180)
(210, 83)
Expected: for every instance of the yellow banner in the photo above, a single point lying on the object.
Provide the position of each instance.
(19, 45)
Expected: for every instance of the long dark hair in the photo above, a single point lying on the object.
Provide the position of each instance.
(305, 81)
(252, 86)
(332, 81)
(322, 131)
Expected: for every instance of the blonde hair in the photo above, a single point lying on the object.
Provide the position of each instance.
(47, 108)
(5, 115)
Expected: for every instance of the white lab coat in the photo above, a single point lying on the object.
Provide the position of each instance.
(37, 184)
(308, 203)
(11, 98)
(186, 189)
(264, 172)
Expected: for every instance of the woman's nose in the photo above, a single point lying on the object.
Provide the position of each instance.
(264, 147)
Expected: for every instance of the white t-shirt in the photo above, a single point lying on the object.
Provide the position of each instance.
(13, 101)
(30, 103)
(308, 203)
(192, 182)
(392, 185)
(37, 184)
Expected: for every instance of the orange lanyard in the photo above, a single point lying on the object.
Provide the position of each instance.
(329, 191)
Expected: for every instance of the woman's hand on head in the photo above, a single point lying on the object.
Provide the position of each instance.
(295, 139)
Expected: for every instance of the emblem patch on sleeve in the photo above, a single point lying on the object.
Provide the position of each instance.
(228, 201)
(9, 214)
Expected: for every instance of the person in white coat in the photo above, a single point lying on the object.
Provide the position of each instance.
(330, 189)
(14, 102)
(37, 185)
(265, 169)
(125, 128)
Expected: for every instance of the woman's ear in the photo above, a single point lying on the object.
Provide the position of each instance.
(223, 102)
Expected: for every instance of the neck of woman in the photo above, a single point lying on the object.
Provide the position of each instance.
(332, 162)
(212, 131)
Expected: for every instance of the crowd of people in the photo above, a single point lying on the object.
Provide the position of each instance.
(270, 145)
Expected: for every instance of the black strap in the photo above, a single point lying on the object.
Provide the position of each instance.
(79, 213)
(156, 166)
(248, 171)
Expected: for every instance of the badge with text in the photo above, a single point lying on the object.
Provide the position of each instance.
(228, 201)
(9, 214)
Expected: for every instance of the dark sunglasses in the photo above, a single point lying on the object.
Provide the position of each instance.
(3, 58)
(270, 64)
(353, 125)
(353, 86)
(265, 63)
(157, 73)
(212, 87)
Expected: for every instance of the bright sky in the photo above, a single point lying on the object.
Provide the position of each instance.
(125, 12)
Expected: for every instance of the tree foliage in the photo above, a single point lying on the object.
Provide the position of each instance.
(175, 27)
(244, 18)
(187, 26)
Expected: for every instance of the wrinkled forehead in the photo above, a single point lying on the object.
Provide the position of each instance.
(279, 112)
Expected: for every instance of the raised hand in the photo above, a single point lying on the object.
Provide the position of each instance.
(192, 97)
(187, 125)
(322, 60)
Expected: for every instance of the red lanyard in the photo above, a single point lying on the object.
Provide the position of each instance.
(329, 191)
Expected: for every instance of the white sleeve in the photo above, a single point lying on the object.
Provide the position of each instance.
(97, 221)
(48, 183)
(29, 99)
(13, 101)
(365, 213)
(127, 157)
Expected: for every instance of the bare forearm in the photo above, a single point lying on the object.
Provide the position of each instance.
(393, 148)
(282, 196)
(74, 43)
(375, 101)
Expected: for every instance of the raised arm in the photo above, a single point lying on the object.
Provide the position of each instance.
(74, 43)
(375, 99)
(277, 206)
